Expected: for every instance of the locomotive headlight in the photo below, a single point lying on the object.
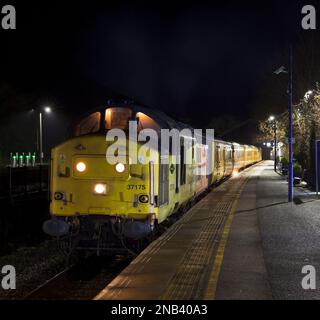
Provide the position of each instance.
(120, 167)
(100, 188)
(81, 167)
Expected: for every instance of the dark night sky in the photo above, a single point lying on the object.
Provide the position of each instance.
(193, 60)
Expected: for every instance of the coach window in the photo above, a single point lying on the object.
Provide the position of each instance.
(198, 162)
(117, 118)
(145, 122)
(217, 150)
(228, 153)
(183, 167)
(90, 124)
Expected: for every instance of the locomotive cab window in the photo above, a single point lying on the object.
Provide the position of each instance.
(145, 122)
(90, 124)
(117, 118)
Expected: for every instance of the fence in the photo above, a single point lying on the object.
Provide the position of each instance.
(25, 180)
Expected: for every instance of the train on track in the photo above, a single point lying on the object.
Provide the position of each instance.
(99, 206)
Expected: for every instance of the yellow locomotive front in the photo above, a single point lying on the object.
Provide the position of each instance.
(94, 203)
(83, 182)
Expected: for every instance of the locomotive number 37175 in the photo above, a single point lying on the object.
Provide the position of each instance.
(136, 187)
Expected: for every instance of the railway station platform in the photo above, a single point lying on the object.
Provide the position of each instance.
(241, 241)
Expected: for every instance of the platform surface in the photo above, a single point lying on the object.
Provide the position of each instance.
(185, 262)
(244, 240)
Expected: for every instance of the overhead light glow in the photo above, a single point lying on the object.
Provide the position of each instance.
(307, 95)
(47, 109)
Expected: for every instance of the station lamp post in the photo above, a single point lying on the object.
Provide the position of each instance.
(290, 171)
(272, 120)
(290, 180)
(316, 163)
(41, 110)
(46, 110)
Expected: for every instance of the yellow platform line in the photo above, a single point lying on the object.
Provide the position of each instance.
(214, 275)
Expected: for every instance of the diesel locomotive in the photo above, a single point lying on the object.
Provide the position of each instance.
(96, 205)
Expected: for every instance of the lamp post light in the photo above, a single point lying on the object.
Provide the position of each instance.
(307, 95)
(46, 110)
(316, 163)
(290, 171)
(272, 119)
(290, 180)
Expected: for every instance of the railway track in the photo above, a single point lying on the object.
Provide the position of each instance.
(81, 281)
(85, 280)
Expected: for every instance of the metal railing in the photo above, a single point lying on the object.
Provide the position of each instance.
(19, 181)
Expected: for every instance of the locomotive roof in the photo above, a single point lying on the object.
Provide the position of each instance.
(163, 120)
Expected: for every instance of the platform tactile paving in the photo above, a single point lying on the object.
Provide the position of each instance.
(185, 283)
(187, 280)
